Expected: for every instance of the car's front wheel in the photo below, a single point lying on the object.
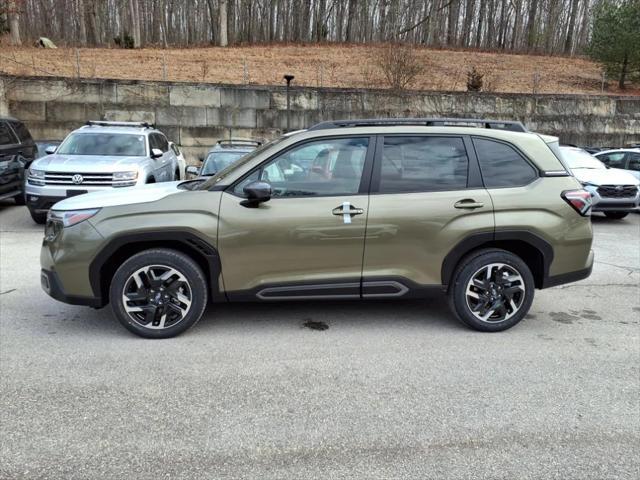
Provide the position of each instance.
(616, 215)
(492, 290)
(158, 293)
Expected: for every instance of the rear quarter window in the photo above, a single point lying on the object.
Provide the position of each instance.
(502, 165)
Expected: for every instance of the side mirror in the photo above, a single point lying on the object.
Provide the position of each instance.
(193, 170)
(257, 192)
(50, 149)
(156, 153)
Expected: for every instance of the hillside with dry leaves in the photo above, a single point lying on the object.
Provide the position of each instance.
(344, 66)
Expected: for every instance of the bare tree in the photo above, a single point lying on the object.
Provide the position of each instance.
(224, 22)
(14, 22)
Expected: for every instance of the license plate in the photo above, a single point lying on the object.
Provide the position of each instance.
(73, 193)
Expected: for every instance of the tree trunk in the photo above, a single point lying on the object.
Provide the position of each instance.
(135, 25)
(223, 23)
(531, 24)
(212, 21)
(623, 71)
(568, 44)
(82, 15)
(14, 22)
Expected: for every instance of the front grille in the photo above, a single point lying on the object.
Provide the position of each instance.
(617, 191)
(88, 179)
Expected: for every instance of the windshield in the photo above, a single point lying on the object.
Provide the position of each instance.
(242, 161)
(113, 144)
(576, 158)
(217, 161)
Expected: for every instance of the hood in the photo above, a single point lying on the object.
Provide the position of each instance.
(610, 176)
(86, 163)
(119, 196)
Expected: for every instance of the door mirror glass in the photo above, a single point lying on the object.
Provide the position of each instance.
(256, 192)
(156, 153)
(193, 170)
(50, 149)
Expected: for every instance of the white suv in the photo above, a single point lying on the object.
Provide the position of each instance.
(99, 156)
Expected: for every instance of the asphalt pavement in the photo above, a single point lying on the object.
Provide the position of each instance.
(391, 389)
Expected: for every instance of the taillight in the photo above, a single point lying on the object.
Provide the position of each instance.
(580, 200)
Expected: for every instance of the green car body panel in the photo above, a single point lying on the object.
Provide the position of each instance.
(416, 238)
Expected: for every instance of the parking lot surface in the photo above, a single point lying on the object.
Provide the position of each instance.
(389, 390)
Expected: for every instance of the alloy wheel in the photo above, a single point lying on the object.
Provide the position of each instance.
(495, 292)
(157, 297)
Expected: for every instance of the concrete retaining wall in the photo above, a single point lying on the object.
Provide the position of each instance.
(196, 115)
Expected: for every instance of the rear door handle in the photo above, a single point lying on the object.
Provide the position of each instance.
(468, 203)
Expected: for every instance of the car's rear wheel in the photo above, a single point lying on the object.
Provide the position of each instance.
(38, 217)
(158, 293)
(616, 215)
(176, 175)
(492, 290)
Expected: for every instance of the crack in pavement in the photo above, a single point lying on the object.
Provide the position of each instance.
(635, 285)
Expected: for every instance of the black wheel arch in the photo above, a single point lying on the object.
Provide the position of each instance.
(534, 250)
(111, 256)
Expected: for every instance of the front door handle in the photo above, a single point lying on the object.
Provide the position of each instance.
(346, 210)
(468, 203)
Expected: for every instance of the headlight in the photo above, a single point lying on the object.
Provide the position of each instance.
(36, 177)
(124, 179)
(70, 217)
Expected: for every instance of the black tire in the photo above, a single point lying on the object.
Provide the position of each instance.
(20, 199)
(39, 218)
(176, 175)
(471, 266)
(194, 286)
(151, 180)
(616, 215)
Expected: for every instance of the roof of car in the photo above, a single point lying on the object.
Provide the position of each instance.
(11, 119)
(614, 150)
(115, 129)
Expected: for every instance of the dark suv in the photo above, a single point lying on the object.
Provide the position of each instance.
(17, 151)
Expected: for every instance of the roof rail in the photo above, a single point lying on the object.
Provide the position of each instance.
(239, 141)
(426, 122)
(104, 123)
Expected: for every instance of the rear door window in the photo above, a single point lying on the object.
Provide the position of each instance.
(6, 135)
(423, 164)
(502, 165)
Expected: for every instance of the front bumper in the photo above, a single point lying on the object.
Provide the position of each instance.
(51, 284)
(601, 203)
(40, 199)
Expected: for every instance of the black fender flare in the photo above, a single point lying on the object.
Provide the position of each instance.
(476, 240)
(187, 239)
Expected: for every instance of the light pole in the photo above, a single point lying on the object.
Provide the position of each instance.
(288, 78)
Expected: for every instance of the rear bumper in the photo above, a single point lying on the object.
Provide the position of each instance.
(51, 284)
(570, 277)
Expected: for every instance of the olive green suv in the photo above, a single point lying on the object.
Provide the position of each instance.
(360, 209)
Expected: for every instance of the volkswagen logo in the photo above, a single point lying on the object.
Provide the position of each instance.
(619, 188)
(77, 179)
